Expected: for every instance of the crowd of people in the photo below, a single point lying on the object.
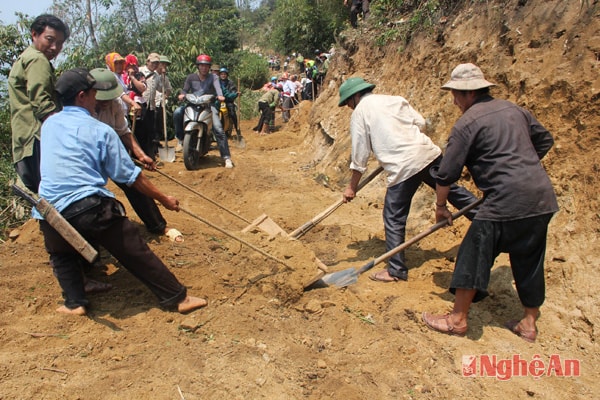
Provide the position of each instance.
(70, 135)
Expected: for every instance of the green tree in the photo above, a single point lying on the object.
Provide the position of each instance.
(305, 25)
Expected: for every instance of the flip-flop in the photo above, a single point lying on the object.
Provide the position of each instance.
(174, 235)
(514, 326)
(380, 277)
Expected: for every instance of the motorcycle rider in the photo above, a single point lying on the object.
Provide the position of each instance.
(230, 93)
(203, 82)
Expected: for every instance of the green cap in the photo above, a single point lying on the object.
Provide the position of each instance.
(108, 77)
(164, 59)
(352, 86)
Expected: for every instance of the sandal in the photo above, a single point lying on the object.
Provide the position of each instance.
(442, 324)
(515, 327)
(174, 235)
(383, 276)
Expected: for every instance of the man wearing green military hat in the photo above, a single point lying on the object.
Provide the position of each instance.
(391, 129)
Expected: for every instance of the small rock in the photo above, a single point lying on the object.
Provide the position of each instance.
(189, 324)
(321, 364)
(14, 234)
(260, 381)
(313, 306)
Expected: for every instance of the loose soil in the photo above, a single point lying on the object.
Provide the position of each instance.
(262, 335)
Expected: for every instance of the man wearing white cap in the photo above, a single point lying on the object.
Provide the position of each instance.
(501, 145)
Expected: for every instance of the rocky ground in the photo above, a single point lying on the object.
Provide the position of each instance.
(262, 335)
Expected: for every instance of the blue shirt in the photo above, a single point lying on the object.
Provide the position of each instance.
(78, 155)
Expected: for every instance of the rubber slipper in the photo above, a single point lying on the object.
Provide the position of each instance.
(383, 276)
(515, 327)
(435, 323)
(174, 235)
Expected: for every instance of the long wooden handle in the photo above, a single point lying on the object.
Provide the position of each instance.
(60, 224)
(164, 110)
(320, 217)
(418, 237)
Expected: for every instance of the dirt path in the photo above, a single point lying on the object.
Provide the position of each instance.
(261, 336)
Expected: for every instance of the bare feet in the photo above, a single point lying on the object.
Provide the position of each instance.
(71, 311)
(191, 303)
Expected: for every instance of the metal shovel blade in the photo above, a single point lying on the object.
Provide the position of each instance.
(240, 142)
(167, 154)
(343, 278)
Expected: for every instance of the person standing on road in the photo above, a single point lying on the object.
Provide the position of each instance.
(289, 93)
(79, 154)
(390, 128)
(31, 95)
(266, 105)
(230, 92)
(501, 145)
(108, 110)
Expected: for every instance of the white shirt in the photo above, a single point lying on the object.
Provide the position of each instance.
(289, 87)
(390, 128)
(114, 117)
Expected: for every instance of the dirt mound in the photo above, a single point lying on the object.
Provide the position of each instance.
(262, 336)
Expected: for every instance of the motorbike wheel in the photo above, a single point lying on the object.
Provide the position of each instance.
(191, 152)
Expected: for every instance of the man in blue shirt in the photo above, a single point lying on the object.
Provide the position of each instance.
(79, 154)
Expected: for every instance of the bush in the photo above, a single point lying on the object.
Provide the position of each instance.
(13, 212)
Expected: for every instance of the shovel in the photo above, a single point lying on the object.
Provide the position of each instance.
(350, 276)
(165, 153)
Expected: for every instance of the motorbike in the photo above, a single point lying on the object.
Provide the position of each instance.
(197, 126)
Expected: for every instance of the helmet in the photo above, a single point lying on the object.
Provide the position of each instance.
(223, 69)
(352, 86)
(279, 87)
(273, 79)
(203, 59)
(103, 75)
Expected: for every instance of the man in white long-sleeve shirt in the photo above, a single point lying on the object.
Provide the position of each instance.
(390, 128)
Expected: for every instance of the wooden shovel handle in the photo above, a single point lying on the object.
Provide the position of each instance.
(418, 237)
(320, 217)
(60, 224)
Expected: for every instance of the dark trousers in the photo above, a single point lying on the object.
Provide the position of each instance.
(106, 224)
(144, 132)
(266, 114)
(525, 242)
(232, 111)
(398, 199)
(28, 168)
(145, 207)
